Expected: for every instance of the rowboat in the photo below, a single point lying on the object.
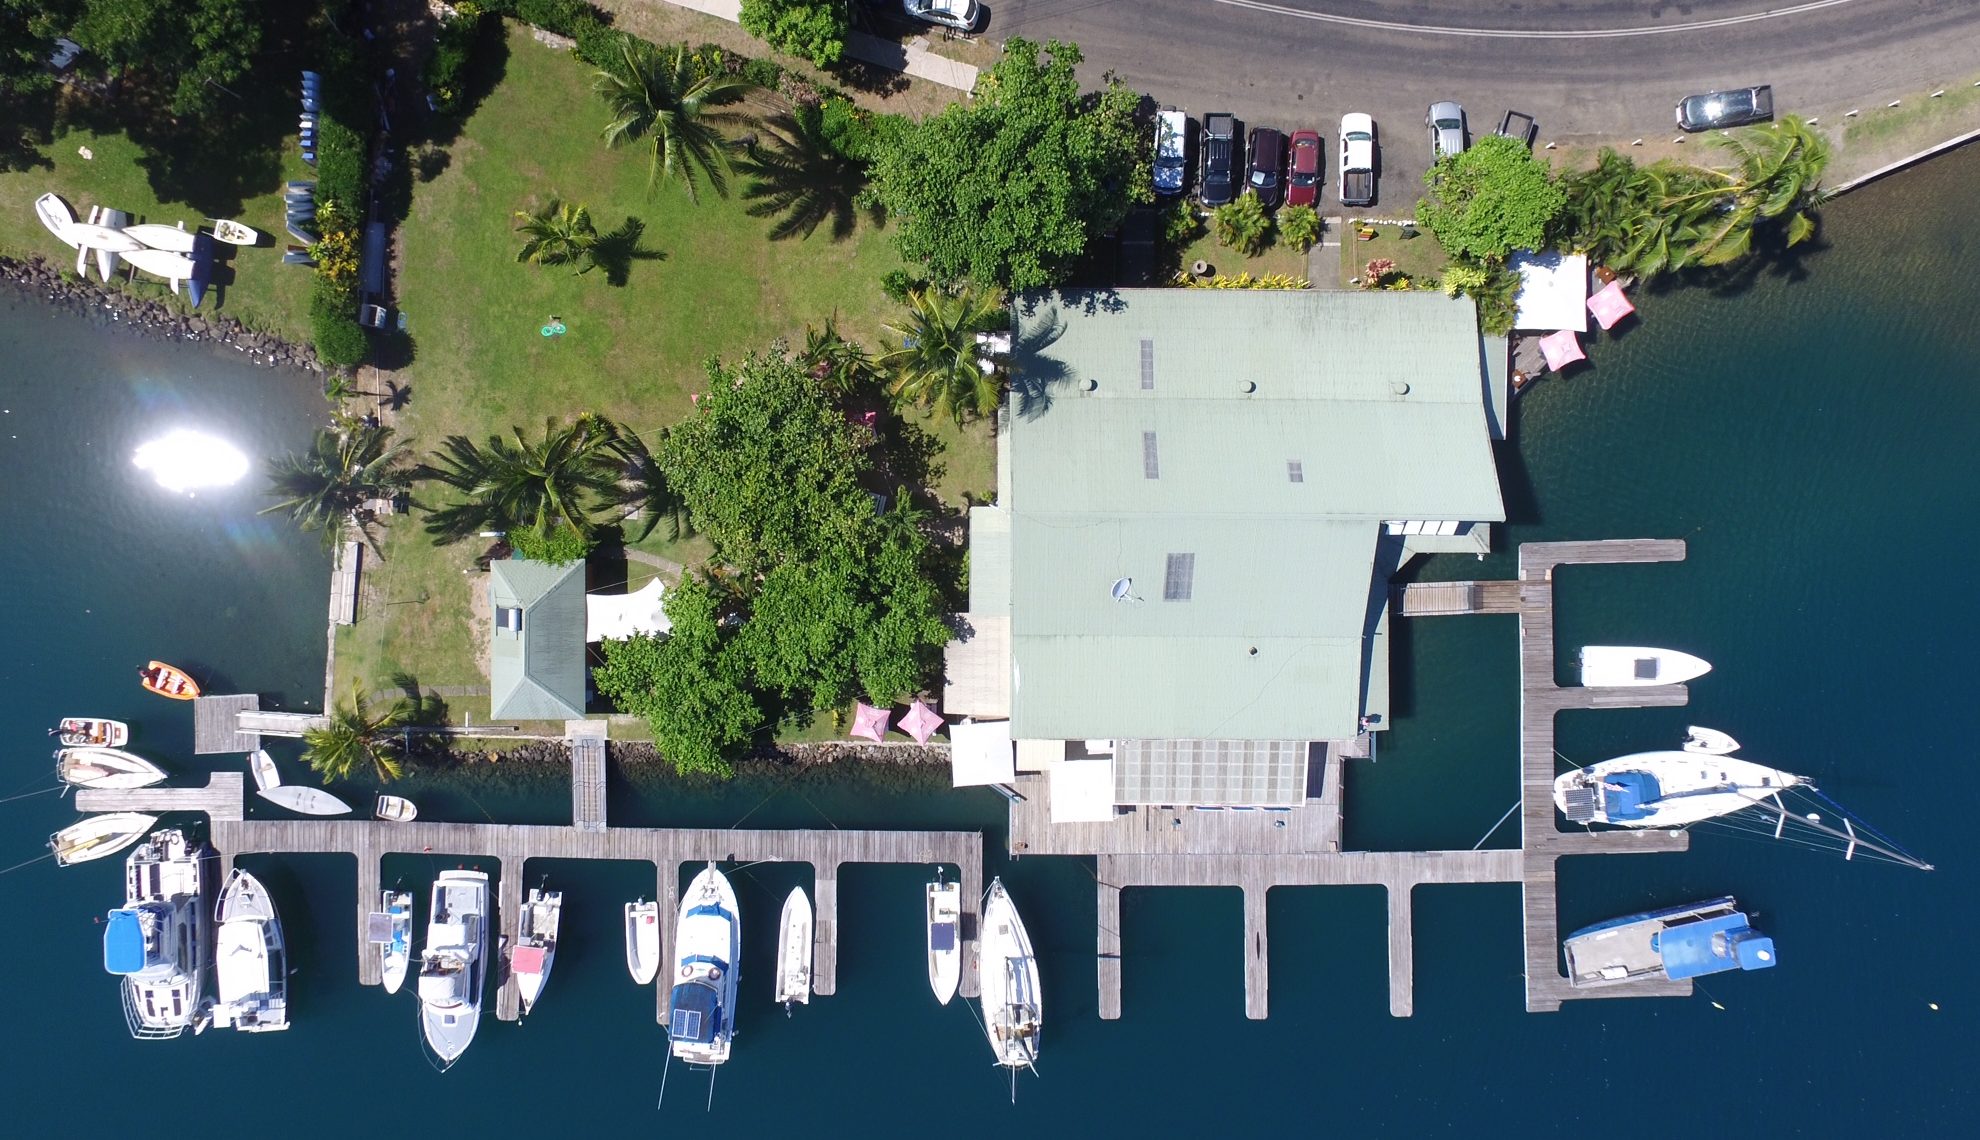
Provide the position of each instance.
(643, 940)
(395, 809)
(93, 837)
(158, 235)
(168, 681)
(173, 267)
(92, 732)
(105, 768)
(263, 767)
(306, 801)
(234, 233)
(57, 216)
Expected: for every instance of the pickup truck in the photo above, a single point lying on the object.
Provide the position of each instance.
(1357, 151)
(1220, 142)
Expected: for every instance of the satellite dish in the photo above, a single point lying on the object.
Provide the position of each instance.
(1123, 589)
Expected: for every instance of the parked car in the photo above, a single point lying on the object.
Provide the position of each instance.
(1716, 109)
(1519, 126)
(1303, 169)
(1357, 150)
(1446, 123)
(961, 15)
(1218, 184)
(1171, 151)
(1267, 177)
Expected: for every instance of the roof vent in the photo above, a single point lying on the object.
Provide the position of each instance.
(1151, 467)
(1147, 363)
(1399, 387)
(1248, 387)
(1179, 577)
(1089, 384)
(1295, 471)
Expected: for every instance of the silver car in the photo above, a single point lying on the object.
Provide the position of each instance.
(961, 15)
(1446, 123)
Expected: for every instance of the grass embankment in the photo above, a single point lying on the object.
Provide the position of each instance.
(1418, 258)
(1886, 134)
(707, 282)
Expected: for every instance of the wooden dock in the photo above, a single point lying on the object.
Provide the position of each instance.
(1432, 599)
(586, 741)
(217, 724)
(222, 799)
(259, 723)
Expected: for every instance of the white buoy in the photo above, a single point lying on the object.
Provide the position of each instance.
(1893, 102)
(1638, 142)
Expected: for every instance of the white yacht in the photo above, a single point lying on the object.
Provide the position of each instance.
(1013, 1010)
(1604, 666)
(1666, 789)
(794, 942)
(251, 968)
(707, 950)
(536, 944)
(395, 943)
(944, 938)
(453, 969)
(161, 941)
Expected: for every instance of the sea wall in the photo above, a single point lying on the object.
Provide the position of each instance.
(640, 753)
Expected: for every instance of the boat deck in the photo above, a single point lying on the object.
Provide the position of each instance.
(1625, 946)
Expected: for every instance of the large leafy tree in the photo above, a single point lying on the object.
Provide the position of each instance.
(662, 98)
(1011, 188)
(561, 233)
(1489, 200)
(809, 29)
(360, 737)
(798, 174)
(691, 685)
(195, 47)
(323, 487)
(938, 363)
(562, 479)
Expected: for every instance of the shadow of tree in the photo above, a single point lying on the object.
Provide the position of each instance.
(616, 251)
(1033, 381)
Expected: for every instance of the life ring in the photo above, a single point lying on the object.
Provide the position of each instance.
(687, 971)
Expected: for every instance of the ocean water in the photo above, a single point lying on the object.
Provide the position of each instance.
(1810, 434)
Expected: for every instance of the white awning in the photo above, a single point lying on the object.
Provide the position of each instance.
(980, 753)
(1553, 291)
(619, 616)
(1083, 791)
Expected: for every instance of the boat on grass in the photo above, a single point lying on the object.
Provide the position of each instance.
(234, 233)
(1675, 943)
(266, 775)
(390, 929)
(250, 963)
(173, 267)
(58, 217)
(95, 836)
(536, 945)
(643, 941)
(1609, 666)
(106, 258)
(158, 235)
(395, 809)
(305, 801)
(160, 942)
(1709, 741)
(453, 969)
(92, 732)
(168, 681)
(202, 269)
(1013, 1011)
(794, 950)
(707, 951)
(944, 938)
(106, 768)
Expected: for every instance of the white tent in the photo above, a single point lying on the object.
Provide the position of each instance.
(980, 753)
(1553, 292)
(618, 616)
(1083, 791)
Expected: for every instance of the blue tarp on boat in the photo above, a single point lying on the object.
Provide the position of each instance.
(1625, 793)
(123, 943)
(1713, 947)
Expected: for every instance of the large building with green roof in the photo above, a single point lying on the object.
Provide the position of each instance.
(536, 651)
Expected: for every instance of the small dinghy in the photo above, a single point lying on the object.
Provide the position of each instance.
(794, 943)
(58, 217)
(1626, 666)
(1709, 742)
(234, 233)
(158, 235)
(391, 929)
(168, 681)
(944, 938)
(105, 768)
(95, 836)
(643, 941)
(202, 269)
(92, 732)
(306, 801)
(395, 809)
(263, 766)
(536, 945)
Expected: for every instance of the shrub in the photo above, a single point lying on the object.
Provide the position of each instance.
(1300, 225)
(339, 163)
(445, 73)
(809, 29)
(1244, 281)
(1242, 225)
(336, 256)
(898, 283)
(556, 545)
(1180, 225)
(340, 341)
(1462, 278)
(559, 16)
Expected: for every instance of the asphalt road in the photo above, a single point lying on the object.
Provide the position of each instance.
(1275, 64)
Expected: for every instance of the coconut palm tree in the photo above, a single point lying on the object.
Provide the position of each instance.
(938, 363)
(357, 736)
(324, 487)
(561, 233)
(561, 479)
(642, 488)
(1777, 181)
(796, 172)
(657, 96)
(840, 366)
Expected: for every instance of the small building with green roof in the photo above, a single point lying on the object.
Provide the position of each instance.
(536, 646)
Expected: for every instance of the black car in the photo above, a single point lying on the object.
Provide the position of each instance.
(1267, 177)
(1218, 184)
(1716, 109)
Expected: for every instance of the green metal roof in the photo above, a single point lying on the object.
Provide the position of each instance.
(537, 673)
(1263, 435)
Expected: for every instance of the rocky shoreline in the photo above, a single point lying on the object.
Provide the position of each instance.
(151, 318)
(634, 752)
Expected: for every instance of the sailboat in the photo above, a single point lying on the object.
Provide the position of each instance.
(944, 938)
(250, 965)
(395, 947)
(453, 969)
(105, 768)
(794, 949)
(643, 941)
(95, 836)
(536, 945)
(1013, 1011)
(707, 950)
(304, 800)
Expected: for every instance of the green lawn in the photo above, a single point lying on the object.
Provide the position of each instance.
(1419, 258)
(1276, 258)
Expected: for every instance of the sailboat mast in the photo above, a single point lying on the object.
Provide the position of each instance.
(1847, 833)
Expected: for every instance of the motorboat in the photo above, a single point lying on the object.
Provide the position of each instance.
(1606, 666)
(794, 950)
(95, 836)
(250, 964)
(161, 940)
(643, 940)
(57, 216)
(263, 766)
(453, 969)
(304, 801)
(1666, 789)
(707, 951)
(168, 681)
(92, 732)
(158, 235)
(1673, 944)
(234, 233)
(395, 809)
(944, 938)
(394, 938)
(1709, 741)
(106, 768)
(536, 944)
(1012, 1004)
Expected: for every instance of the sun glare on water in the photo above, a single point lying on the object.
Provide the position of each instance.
(187, 461)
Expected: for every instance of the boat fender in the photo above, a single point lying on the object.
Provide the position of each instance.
(714, 973)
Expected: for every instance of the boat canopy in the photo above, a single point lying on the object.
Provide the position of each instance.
(527, 960)
(942, 936)
(697, 1016)
(1624, 795)
(1713, 946)
(123, 942)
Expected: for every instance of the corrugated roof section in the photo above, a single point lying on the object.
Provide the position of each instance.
(537, 673)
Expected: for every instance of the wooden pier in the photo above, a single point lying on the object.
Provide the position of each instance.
(1433, 599)
(222, 799)
(586, 741)
(217, 724)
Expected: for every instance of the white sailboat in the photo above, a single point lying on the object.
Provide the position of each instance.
(707, 951)
(161, 940)
(173, 267)
(395, 943)
(1709, 741)
(263, 766)
(536, 944)
(1013, 1010)
(158, 235)
(105, 768)
(250, 963)
(305, 801)
(794, 950)
(453, 969)
(643, 941)
(95, 836)
(944, 938)
(1666, 789)
(1606, 666)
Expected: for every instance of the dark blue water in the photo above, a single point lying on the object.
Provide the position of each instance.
(1810, 437)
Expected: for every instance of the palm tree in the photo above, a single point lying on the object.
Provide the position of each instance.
(324, 487)
(652, 96)
(802, 176)
(1777, 181)
(938, 363)
(840, 366)
(560, 233)
(511, 482)
(356, 737)
(642, 488)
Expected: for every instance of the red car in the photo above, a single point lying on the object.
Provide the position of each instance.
(1303, 169)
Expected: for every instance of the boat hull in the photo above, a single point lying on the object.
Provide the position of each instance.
(305, 801)
(944, 939)
(395, 809)
(1631, 666)
(395, 954)
(251, 970)
(58, 217)
(1709, 741)
(234, 233)
(1666, 789)
(1671, 944)
(96, 836)
(262, 765)
(536, 945)
(794, 949)
(456, 958)
(643, 941)
(158, 235)
(106, 768)
(169, 681)
(1013, 1006)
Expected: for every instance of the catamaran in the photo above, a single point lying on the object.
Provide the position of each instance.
(1012, 1004)
(395, 943)
(161, 942)
(249, 962)
(536, 944)
(794, 944)
(1603, 666)
(707, 950)
(643, 941)
(944, 938)
(105, 768)
(453, 969)
(95, 836)
(1675, 943)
